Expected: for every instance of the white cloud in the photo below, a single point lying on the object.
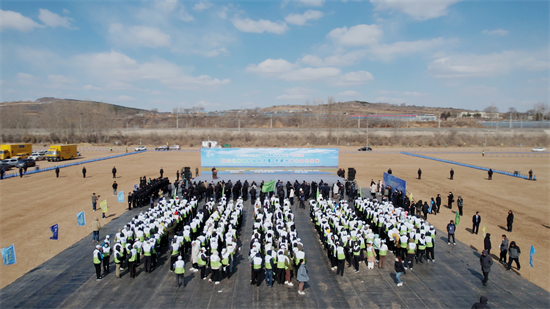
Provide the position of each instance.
(354, 78)
(359, 35)
(316, 3)
(114, 67)
(14, 20)
(468, 66)
(119, 86)
(349, 93)
(59, 79)
(223, 12)
(65, 11)
(124, 98)
(139, 35)
(217, 52)
(260, 26)
(26, 79)
(91, 87)
(301, 19)
(479, 90)
(500, 32)
(311, 74)
(166, 6)
(271, 66)
(345, 59)
(202, 5)
(184, 15)
(53, 20)
(419, 10)
(387, 52)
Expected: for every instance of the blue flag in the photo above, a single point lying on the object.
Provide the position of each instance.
(81, 218)
(120, 197)
(533, 251)
(135, 187)
(8, 255)
(55, 229)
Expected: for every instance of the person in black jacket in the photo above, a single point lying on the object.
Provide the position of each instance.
(486, 262)
(510, 221)
(438, 202)
(450, 200)
(482, 303)
(114, 172)
(399, 270)
(487, 243)
(419, 174)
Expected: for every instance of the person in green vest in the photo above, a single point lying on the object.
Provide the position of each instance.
(411, 253)
(132, 258)
(201, 261)
(97, 257)
(179, 270)
(215, 265)
(421, 252)
(256, 269)
(382, 252)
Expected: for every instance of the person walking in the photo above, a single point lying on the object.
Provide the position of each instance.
(114, 172)
(476, 220)
(450, 200)
(514, 253)
(451, 227)
(419, 174)
(56, 172)
(490, 174)
(460, 204)
(487, 243)
(509, 221)
(179, 270)
(115, 187)
(177, 175)
(399, 270)
(503, 250)
(302, 277)
(2, 172)
(482, 303)
(530, 174)
(97, 257)
(451, 174)
(106, 251)
(161, 172)
(21, 171)
(196, 172)
(83, 172)
(486, 262)
(438, 202)
(96, 226)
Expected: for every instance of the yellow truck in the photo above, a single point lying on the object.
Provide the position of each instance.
(61, 152)
(11, 150)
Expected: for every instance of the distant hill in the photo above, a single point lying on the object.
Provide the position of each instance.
(36, 107)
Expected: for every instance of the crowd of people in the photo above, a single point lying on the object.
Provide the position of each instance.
(275, 248)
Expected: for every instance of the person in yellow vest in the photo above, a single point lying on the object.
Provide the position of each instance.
(179, 270)
(132, 258)
(215, 265)
(430, 247)
(421, 252)
(117, 257)
(269, 269)
(106, 251)
(201, 261)
(256, 269)
(281, 258)
(411, 253)
(175, 246)
(341, 256)
(97, 256)
(382, 252)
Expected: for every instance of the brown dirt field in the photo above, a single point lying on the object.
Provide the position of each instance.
(30, 205)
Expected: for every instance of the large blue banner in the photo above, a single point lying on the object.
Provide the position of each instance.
(81, 218)
(297, 158)
(55, 231)
(395, 183)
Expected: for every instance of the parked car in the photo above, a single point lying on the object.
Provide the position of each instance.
(23, 155)
(365, 149)
(27, 162)
(37, 157)
(140, 148)
(11, 161)
(163, 147)
(175, 147)
(5, 165)
(78, 154)
(538, 149)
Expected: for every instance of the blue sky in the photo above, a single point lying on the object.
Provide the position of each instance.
(222, 55)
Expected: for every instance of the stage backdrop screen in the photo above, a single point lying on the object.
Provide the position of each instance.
(269, 158)
(395, 183)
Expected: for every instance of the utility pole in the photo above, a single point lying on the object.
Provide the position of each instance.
(510, 120)
(359, 122)
(239, 125)
(177, 120)
(367, 133)
(80, 121)
(271, 125)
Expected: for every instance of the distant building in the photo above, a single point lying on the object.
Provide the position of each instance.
(427, 117)
(480, 115)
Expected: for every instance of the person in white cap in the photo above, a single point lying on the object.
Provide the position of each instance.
(179, 270)
(202, 260)
(97, 257)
